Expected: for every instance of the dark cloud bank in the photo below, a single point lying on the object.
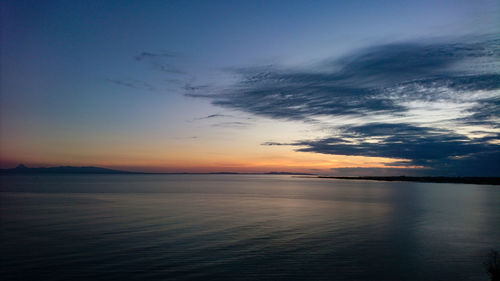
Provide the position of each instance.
(385, 81)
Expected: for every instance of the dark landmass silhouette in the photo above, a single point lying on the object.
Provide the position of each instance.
(22, 169)
(467, 180)
(237, 173)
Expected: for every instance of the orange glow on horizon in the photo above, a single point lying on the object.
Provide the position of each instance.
(300, 162)
(241, 154)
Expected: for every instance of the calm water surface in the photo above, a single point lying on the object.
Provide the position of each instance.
(239, 227)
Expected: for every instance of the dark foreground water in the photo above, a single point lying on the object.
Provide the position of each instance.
(238, 227)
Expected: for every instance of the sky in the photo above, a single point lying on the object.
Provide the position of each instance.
(328, 87)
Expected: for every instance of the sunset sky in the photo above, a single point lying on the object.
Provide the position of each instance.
(330, 87)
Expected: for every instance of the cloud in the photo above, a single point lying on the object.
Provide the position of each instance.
(133, 83)
(220, 115)
(426, 147)
(234, 124)
(360, 83)
(148, 55)
(163, 61)
(216, 115)
(436, 104)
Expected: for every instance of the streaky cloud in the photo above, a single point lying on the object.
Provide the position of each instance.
(216, 115)
(358, 83)
(162, 61)
(232, 124)
(436, 104)
(132, 83)
(146, 55)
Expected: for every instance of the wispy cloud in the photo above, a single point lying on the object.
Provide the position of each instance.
(163, 61)
(216, 115)
(166, 62)
(133, 83)
(148, 55)
(234, 124)
(425, 102)
(220, 115)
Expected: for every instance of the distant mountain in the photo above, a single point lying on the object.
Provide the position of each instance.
(21, 169)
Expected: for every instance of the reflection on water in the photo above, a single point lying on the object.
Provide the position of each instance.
(236, 227)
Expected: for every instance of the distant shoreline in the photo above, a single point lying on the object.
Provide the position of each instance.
(90, 170)
(464, 180)
(71, 170)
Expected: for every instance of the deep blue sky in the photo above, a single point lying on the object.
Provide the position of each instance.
(191, 85)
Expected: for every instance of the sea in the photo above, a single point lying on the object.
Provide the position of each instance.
(243, 227)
